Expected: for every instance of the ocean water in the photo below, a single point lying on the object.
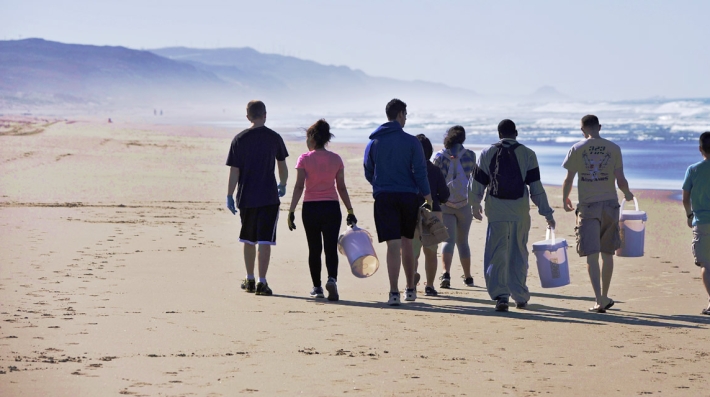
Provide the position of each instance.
(658, 138)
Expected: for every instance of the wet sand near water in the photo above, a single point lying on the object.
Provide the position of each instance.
(120, 272)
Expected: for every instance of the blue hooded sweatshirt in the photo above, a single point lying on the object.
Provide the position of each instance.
(394, 161)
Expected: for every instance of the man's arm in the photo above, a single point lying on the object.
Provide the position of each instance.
(688, 207)
(419, 170)
(283, 177)
(537, 191)
(233, 180)
(368, 163)
(567, 189)
(623, 184)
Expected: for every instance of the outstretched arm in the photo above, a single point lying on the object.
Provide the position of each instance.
(623, 184)
(567, 189)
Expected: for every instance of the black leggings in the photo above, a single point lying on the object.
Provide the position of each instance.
(321, 219)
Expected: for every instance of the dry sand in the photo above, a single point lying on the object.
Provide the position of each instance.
(120, 272)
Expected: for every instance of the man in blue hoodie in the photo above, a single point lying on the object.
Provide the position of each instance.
(396, 168)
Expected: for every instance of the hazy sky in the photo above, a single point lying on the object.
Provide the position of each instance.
(586, 49)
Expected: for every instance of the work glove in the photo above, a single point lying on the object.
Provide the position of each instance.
(291, 220)
(551, 223)
(230, 205)
(427, 205)
(282, 189)
(351, 219)
(629, 196)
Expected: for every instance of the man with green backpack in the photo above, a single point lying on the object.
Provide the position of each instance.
(509, 172)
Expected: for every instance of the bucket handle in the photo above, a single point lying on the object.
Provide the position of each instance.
(550, 231)
(636, 204)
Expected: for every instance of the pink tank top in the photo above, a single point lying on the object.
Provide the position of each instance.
(321, 167)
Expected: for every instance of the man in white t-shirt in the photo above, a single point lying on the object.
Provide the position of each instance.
(598, 163)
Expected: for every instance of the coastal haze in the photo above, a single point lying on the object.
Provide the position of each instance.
(119, 263)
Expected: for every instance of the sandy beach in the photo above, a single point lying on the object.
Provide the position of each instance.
(120, 272)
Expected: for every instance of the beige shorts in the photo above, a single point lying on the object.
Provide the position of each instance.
(598, 228)
(701, 245)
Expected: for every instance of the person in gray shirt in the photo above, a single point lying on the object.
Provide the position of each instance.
(509, 175)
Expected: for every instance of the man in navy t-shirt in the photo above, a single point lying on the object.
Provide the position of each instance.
(251, 159)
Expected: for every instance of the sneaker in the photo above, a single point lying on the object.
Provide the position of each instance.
(445, 280)
(430, 291)
(317, 292)
(468, 281)
(501, 305)
(332, 288)
(394, 299)
(521, 305)
(263, 289)
(249, 285)
(410, 294)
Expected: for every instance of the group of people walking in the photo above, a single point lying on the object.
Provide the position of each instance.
(453, 186)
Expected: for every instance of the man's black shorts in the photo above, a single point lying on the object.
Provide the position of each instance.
(259, 224)
(396, 215)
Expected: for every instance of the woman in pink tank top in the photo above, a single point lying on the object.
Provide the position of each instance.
(321, 173)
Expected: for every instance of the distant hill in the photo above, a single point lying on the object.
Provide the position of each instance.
(36, 72)
(548, 93)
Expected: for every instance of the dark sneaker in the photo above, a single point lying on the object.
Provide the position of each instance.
(317, 292)
(501, 305)
(394, 299)
(521, 305)
(445, 280)
(332, 287)
(249, 285)
(468, 281)
(263, 289)
(430, 291)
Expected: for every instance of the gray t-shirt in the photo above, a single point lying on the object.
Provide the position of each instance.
(595, 160)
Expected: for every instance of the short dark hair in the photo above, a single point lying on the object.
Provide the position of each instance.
(705, 142)
(454, 135)
(507, 129)
(256, 109)
(590, 120)
(426, 146)
(394, 108)
(320, 133)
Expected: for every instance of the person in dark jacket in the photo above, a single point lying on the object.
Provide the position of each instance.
(439, 195)
(395, 167)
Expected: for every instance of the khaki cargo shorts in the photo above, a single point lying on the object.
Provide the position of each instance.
(701, 245)
(598, 228)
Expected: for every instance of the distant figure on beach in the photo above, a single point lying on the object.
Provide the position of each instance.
(321, 173)
(457, 165)
(155, 112)
(696, 200)
(109, 120)
(510, 173)
(439, 195)
(599, 165)
(251, 159)
(161, 112)
(395, 167)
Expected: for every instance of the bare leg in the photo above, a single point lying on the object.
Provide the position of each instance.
(249, 258)
(594, 276)
(430, 266)
(408, 261)
(466, 265)
(705, 274)
(264, 256)
(446, 260)
(607, 270)
(394, 260)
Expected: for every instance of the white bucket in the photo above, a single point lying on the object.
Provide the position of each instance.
(356, 245)
(552, 265)
(632, 226)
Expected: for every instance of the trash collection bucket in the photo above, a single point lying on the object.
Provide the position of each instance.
(632, 227)
(356, 245)
(552, 265)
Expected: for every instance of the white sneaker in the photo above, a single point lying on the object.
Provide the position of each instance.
(332, 289)
(411, 294)
(394, 299)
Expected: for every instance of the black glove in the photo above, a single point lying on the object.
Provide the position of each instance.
(426, 205)
(291, 220)
(351, 220)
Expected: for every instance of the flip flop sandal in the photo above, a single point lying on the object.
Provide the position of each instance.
(609, 305)
(597, 309)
